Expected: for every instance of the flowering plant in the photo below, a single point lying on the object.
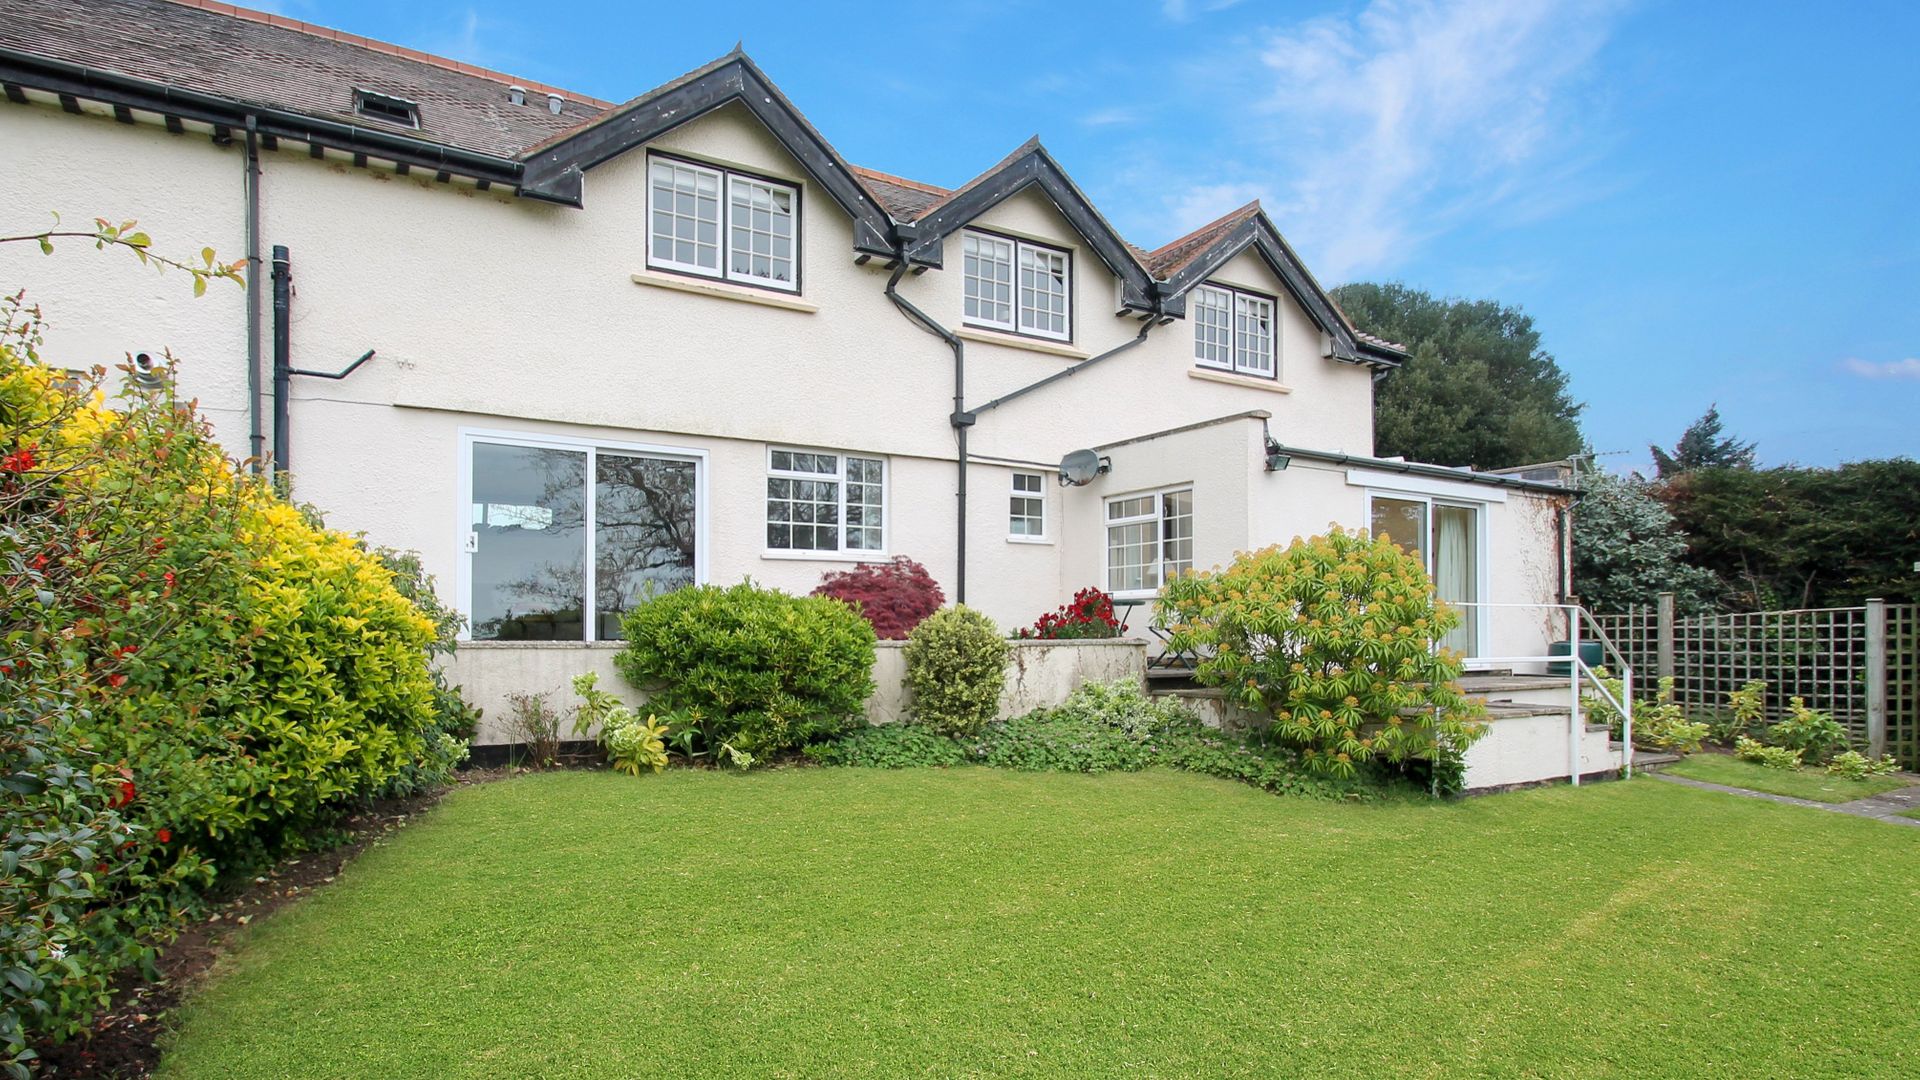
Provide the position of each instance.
(1088, 615)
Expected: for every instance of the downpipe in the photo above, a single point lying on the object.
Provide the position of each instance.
(282, 358)
(960, 419)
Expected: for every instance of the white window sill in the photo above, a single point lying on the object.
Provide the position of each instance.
(827, 556)
(1042, 541)
(1016, 341)
(1253, 382)
(724, 291)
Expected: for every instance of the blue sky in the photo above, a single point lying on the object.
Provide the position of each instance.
(1697, 202)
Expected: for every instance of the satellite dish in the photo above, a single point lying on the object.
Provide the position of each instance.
(1081, 466)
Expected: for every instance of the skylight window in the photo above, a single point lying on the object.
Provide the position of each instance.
(386, 107)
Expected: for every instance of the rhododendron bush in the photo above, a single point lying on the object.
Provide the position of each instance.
(1337, 639)
(193, 676)
(1088, 615)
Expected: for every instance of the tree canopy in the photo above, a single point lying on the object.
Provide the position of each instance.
(1628, 549)
(1702, 446)
(1477, 390)
(1798, 537)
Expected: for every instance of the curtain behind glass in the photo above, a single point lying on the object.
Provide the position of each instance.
(1453, 571)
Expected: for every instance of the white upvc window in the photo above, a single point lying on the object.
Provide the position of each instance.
(1149, 540)
(695, 209)
(1027, 507)
(989, 276)
(1235, 331)
(825, 501)
(1018, 286)
(562, 537)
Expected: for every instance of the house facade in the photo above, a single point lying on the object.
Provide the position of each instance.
(621, 347)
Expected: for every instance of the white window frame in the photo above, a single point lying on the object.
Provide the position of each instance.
(1016, 312)
(463, 513)
(842, 553)
(1159, 518)
(1479, 615)
(1236, 302)
(1038, 495)
(727, 180)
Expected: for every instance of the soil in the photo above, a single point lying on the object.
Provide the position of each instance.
(125, 1041)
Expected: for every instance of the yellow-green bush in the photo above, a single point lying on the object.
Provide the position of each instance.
(1337, 639)
(193, 676)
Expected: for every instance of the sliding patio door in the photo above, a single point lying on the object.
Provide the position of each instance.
(1446, 537)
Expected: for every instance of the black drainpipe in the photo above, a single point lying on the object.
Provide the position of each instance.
(282, 357)
(255, 439)
(961, 419)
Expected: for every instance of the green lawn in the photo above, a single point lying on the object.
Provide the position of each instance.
(975, 922)
(1808, 783)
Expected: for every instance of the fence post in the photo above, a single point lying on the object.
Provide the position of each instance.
(1876, 677)
(1664, 636)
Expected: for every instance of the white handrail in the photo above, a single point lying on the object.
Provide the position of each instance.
(1576, 616)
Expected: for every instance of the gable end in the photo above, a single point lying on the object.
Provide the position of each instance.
(556, 169)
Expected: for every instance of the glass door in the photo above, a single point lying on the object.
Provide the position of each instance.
(1446, 539)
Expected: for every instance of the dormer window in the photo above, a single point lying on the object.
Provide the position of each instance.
(1017, 286)
(1234, 331)
(386, 107)
(696, 210)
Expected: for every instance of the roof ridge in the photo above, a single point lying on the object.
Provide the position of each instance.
(917, 185)
(267, 18)
(1253, 207)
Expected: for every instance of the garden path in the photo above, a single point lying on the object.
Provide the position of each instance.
(1887, 806)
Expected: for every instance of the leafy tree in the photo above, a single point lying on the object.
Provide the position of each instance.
(1477, 390)
(1702, 446)
(1801, 537)
(1627, 548)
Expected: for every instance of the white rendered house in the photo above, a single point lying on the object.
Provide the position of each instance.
(622, 347)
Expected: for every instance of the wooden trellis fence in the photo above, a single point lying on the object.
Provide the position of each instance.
(1861, 665)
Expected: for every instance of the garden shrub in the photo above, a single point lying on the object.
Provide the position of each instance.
(893, 596)
(956, 668)
(764, 671)
(631, 742)
(1853, 765)
(534, 723)
(1337, 639)
(175, 635)
(1088, 615)
(1659, 723)
(1773, 757)
(1814, 734)
(1746, 711)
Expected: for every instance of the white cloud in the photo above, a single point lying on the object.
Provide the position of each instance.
(1182, 11)
(1111, 116)
(1379, 130)
(1883, 369)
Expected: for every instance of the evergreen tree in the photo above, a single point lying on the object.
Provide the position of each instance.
(1628, 549)
(1702, 446)
(1477, 390)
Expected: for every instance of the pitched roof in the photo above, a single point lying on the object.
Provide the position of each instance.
(179, 48)
(1168, 259)
(283, 63)
(905, 199)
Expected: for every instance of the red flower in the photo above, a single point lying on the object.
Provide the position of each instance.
(124, 797)
(165, 836)
(19, 461)
(168, 578)
(116, 680)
